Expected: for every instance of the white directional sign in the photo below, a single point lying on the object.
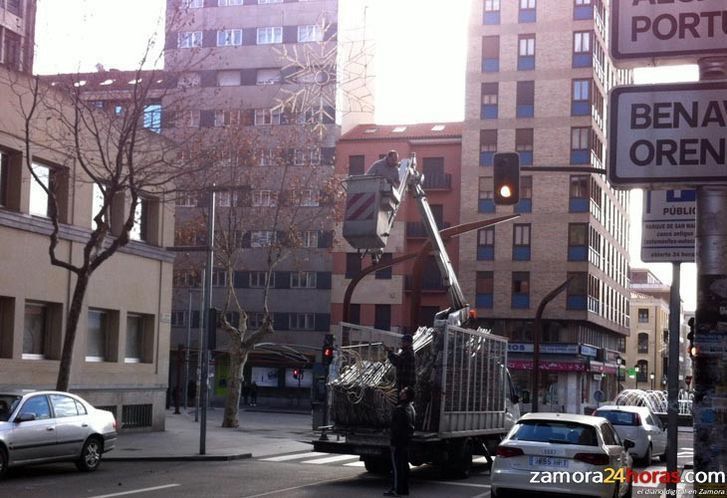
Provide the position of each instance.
(668, 136)
(674, 29)
(669, 226)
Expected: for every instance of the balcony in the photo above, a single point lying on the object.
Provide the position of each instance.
(440, 181)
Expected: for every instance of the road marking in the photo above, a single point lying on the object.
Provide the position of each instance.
(355, 464)
(335, 458)
(135, 491)
(283, 458)
(463, 484)
(294, 488)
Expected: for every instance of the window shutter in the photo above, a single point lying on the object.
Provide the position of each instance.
(242, 279)
(210, 3)
(323, 322)
(280, 321)
(209, 38)
(249, 77)
(208, 78)
(248, 117)
(206, 119)
(290, 34)
(249, 36)
(286, 74)
(282, 280)
(246, 240)
(325, 239)
(323, 280)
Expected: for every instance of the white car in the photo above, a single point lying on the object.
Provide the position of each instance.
(563, 443)
(641, 426)
(52, 426)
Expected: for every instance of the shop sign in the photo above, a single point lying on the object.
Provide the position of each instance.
(549, 366)
(589, 351)
(526, 347)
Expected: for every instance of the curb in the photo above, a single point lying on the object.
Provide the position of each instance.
(180, 458)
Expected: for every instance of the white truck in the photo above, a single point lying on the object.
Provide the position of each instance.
(465, 401)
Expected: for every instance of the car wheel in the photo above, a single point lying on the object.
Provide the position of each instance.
(3, 462)
(90, 455)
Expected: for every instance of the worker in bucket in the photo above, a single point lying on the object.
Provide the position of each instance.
(405, 364)
(388, 167)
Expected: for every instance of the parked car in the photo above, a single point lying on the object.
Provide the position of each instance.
(641, 426)
(559, 442)
(52, 426)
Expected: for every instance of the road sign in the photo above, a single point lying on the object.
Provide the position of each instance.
(669, 226)
(668, 136)
(674, 29)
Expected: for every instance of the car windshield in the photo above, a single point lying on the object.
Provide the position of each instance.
(547, 431)
(8, 402)
(617, 417)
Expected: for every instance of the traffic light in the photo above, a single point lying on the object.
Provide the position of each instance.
(690, 338)
(327, 353)
(296, 373)
(506, 173)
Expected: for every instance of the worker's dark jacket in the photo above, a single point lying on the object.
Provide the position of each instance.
(402, 424)
(405, 364)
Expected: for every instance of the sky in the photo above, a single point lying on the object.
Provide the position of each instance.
(412, 36)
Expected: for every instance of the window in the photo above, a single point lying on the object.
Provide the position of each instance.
(582, 9)
(486, 244)
(486, 200)
(229, 37)
(524, 145)
(39, 201)
(310, 33)
(488, 146)
(525, 204)
(12, 49)
(303, 157)
(140, 230)
(14, 7)
(520, 290)
(63, 406)
(356, 165)
(484, 289)
(269, 35)
(526, 13)
(302, 321)
(263, 238)
(97, 340)
(491, 12)
(258, 279)
(97, 203)
(189, 80)
(303, 280)
(4, 168)
(265, 117)
(577, 241)
(578, 194)
(267, 76)
(224, 198)
(353, 264)
(35, 331)
(580, 145)
(225, 3)
(576, 294)
(643, 343)
(643, 315)
(269, 1)
(187, 119)
(526, 52)
(309, 238)
(228, 78)
(179, 318)
(153, 117)
(489, 101)
(308, 198)
(490, 54)
(189, 39)
(525, 99)
(192, 4)
(264, 198)
(385, 273)
(581, 98)
(382, 316)
(521, 242)
(643, 372)
(134, 339)
(582, 49)
(38, 406)
(227, 118)
(219, 277)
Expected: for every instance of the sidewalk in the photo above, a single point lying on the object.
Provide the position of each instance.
(259, 433)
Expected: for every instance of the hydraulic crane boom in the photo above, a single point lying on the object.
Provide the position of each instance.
(371, 207)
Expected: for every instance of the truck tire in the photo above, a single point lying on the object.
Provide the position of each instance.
(376, 465)
(459, 459)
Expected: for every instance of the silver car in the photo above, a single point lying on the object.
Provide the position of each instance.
(52, 426)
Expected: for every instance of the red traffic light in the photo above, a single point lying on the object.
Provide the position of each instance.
(296, 373)
(328, 352)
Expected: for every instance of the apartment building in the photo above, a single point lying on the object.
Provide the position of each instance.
(538, 72)
(120, 359)
(17, 34)
(385, 298)
(283, 79)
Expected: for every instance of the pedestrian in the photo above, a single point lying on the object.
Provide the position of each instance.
(253, 393)
(405, 364)
(245, 391)
(388, 167)
(402, 430)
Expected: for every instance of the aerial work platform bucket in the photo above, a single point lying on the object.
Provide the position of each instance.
(371, 203)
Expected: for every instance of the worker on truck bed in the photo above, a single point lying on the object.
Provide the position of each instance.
(388, 167)
(405, 364)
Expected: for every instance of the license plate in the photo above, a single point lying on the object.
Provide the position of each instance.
(544, 461)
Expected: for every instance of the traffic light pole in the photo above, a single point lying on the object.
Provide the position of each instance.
(204, 384)
(710, 424)
(672, 378)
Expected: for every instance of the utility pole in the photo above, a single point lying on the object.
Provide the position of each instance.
(207, 325)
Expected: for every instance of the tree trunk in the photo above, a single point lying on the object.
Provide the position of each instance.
(238, 358)
(74, 314)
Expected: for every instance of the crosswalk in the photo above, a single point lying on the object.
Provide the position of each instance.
(319, 458)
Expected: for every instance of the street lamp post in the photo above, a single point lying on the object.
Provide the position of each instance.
(636, 369)
(652, 377)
